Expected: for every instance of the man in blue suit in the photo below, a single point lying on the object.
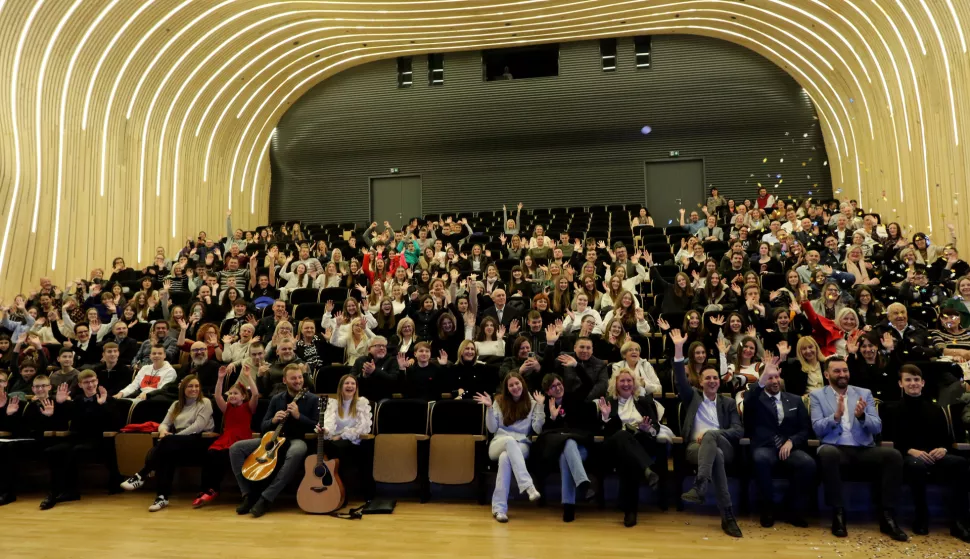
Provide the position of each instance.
(844, 419)
(777, 424)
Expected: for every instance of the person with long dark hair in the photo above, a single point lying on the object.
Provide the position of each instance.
(512, 417)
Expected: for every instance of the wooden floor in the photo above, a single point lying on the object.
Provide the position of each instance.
(120, 526)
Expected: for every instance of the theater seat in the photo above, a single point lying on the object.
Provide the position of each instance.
(131, 448)
(400, 442)
(457, 449)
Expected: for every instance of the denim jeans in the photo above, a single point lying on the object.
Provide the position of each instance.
(571, 470)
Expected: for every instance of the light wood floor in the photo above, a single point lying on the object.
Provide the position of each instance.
(120, 526)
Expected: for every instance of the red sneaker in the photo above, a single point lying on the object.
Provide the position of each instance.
(204, 499)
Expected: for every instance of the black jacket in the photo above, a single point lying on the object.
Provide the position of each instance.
(383, 382)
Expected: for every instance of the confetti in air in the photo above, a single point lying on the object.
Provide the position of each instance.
(765, 160)
(782, 160)
(646, 130)
(778, 176)
(825, 164)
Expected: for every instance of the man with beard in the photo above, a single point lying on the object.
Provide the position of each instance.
(207, 370)
(844, 419)
(272, 383)
(158, 335)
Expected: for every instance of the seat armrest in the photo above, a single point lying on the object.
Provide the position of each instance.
(110, 434)
(745, 441)
(677, 440)
(814, 443)
(961, 446)
(210, 435)
(887, 444)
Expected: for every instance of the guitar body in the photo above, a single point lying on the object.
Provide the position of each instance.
(321, 490)
(261, 463)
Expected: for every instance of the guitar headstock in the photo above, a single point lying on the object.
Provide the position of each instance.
(300, 395)
(323, 409)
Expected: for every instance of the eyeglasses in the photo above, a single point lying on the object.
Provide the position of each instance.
(42, 386)
(199, 350)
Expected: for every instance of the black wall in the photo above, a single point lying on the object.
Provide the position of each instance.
(573, 139)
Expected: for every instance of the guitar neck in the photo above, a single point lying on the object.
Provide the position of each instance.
(321, 436)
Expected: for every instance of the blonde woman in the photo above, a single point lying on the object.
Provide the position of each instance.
(630, 424)
(647, 379)
(329, 278)
(346, 420)
(353, 339)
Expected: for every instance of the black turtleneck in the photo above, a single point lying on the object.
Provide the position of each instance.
(915, 423)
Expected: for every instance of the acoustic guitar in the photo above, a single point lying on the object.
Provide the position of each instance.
(321, 490)
(261, 463)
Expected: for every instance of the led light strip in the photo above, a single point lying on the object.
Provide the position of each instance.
(353, 58)
(919, 99)
(865, 43)
(835, 138)
(259, 165)
(892, 59)
(949, 77)
(909, 18)
(902, 96)
(61, 120)
(104, 56)
(956, 22)
(677, 5)
(39, 108)
(185, 83)
(14, 82)
(111, 99)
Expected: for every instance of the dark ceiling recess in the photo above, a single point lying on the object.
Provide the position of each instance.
(520, 63)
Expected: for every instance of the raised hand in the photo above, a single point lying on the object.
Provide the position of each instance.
(552, 334)
(102, 395)
(442, 357)
(539, 397)
(227, 340)
(604, 407)
(663, 324)
(368, 368)
(514, 327)
(722, 346)
(47, 407)
(483, 399)
(888, 341)
(61, 396)
(718, 320)
(783, 350)
(567, 360)
(402, 360)
(677, 338)
(339, 318)
(13, 406)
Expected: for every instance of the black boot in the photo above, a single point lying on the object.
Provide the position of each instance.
(244, 506)
(585, 491)
(260, 508)
(630, 519)
(568, 512)
(888, 526)
(838, 523)
(959, 530)
(48, 502)
(7, 498)
(767, 515)
(729, 524)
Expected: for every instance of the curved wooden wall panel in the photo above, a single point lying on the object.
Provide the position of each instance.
(131, 124)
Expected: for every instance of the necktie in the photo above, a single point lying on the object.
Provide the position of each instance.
(779, 409)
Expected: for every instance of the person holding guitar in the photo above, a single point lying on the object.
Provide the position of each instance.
(294, 417)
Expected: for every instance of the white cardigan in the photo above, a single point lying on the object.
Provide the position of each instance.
(645, 371)
(643, 327)
(349, 428)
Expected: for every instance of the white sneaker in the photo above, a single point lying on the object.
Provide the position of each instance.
(533, 494)
(132, 483)
(501, 517)
(160, 503)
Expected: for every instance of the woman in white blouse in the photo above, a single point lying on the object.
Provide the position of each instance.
(647, 379)
(512, 418)
(345, 421)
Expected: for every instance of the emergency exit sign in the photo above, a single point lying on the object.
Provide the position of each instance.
(675, 153)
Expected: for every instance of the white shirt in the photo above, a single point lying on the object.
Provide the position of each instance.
(706, 418)
(627, 411)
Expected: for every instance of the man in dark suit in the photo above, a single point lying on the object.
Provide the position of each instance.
(910, 336)
(779, 427)
(266, 327)
(500, 311)
(712, 429)
(583, 375)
